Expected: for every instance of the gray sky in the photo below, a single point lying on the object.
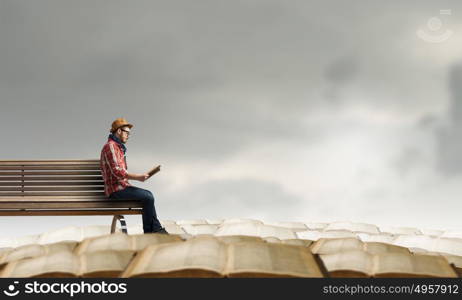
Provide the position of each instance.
(276, 110)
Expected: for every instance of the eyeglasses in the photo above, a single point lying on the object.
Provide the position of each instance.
(126, 131)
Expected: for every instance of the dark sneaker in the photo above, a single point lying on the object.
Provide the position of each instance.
(162, 230)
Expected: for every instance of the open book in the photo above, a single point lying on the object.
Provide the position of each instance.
(233, 239)
(68, 264)
(34, 250)
(255, 229)
(456, 261)
(338, 245)
(200, 229)
(445, 245)
(73, 233)
(154, 171)
(206, 256)
(121, 241)
(360, 263)
(353, 227)
(12, 242)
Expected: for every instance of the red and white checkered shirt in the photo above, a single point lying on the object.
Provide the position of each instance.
(113, 167)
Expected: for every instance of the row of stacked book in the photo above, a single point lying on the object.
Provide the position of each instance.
(235, 248)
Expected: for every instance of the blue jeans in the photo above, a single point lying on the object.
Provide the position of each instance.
(150, 221)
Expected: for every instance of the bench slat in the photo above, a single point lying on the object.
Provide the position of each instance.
(52, 167)
(51, 188)
(51, 183)
(80, 204)
(29, 194)
(51, 178)
(53, 198)
(51, 173)
(64, 200)
(48, 162)
(89, 212)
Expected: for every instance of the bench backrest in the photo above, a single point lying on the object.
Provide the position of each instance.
(36, 178)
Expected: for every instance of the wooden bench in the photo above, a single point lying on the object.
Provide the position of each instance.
(59, 188)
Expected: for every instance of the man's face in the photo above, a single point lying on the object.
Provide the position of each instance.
(123, 133)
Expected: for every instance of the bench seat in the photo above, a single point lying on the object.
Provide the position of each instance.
(59, 188)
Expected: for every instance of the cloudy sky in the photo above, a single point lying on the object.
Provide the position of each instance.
(276, 110)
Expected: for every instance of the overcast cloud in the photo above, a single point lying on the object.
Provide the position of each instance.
(277, 110)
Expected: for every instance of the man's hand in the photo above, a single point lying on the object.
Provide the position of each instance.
(142, 177)
(139, 177)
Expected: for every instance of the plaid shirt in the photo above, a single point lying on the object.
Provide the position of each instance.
(113, 168)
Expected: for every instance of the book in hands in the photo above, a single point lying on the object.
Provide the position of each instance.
(154, 171)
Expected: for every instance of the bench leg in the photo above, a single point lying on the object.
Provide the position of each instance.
(123, 225)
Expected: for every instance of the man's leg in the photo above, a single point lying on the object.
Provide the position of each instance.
(150, 221)
(156, 226)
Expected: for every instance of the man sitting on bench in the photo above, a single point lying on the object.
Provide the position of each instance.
(114, 170)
